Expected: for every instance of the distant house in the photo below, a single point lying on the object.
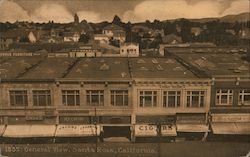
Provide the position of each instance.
(71, 37)
(82, 28)
(171, 39)
(196, 31)
(111, 29)
(244, 36)
(16, 36)
(140, 28)
(116, 32)
(85, 51)
(129, 49)
(101, 38)
(53, 40)
(231, 31)
(244, 33)
(120, 36)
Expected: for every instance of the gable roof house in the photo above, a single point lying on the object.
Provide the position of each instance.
(115, 32)
(16, 36)
(71, 37)
(171, 39)
(83, 28)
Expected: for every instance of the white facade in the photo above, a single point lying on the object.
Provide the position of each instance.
(129, 49)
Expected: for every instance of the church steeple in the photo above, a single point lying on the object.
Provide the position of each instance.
(76, 19)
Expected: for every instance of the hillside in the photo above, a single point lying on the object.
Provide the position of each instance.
(243, 17)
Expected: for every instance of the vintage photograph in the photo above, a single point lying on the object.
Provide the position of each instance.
(124, 78)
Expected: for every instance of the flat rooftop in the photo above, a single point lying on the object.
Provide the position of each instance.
(14, 67)
(159, 68)
(38, 68)
(221, 64)
(118, 68)
(100, 68)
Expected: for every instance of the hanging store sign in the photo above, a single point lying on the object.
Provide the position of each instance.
(145, 130)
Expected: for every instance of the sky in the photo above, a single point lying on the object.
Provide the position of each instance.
(128, 10)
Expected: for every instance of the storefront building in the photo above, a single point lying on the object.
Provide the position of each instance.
(230, 95)
(138, 99)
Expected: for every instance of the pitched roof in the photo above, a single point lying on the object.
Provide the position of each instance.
(113, 27)
(83, 26)
(70, 34)
(170, 38)
(15, 33)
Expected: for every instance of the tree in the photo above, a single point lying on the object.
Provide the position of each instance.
(84, 38)
(116, 20)
(133, 37)
(114, 42)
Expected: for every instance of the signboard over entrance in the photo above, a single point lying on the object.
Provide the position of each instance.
(77, 130)
(145, 130)
(230, 118)
(168, 130)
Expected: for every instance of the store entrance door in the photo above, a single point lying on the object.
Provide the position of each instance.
(116, 133)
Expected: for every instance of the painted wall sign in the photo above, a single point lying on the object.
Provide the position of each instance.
(77, 130)
(168, 130)
(191, 118)
(230, 118)
(35, 118)
(74, 119)
(145, 130)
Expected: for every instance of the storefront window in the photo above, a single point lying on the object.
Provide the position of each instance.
(95, 97)
(41, 98)
(71, 97)
(195, 99)
(244, 97)
(171, 98)
(119, 97)
(18, 98)
(148, 98)
(224, 97)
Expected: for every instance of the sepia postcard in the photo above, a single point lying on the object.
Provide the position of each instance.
(124, 78)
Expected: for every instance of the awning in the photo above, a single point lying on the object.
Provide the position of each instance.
(77, 130)
(145, 130)
(192, 128)
(168, 130)
(20, 131)
(2, 127)
(231, 128)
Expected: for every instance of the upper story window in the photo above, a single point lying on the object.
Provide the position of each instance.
(171, 98)
(95, 97)
(41, 98)
(18, 98)
(224, 97)
(148, 98)
(244, 97)
(119, 97)
(71, 97)
(195, 98)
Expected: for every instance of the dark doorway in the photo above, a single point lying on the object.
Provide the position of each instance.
(117, 131)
